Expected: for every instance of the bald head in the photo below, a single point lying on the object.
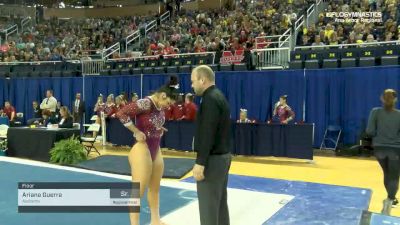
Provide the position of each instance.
(202, 78)
(204, 72)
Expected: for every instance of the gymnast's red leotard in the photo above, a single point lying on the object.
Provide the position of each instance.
(149, 120)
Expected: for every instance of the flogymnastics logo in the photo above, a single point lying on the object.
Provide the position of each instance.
(355, 17)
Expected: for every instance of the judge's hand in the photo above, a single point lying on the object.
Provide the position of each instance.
(198, 172)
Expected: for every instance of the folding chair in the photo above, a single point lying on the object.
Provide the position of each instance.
(92, 128)
(331, 138)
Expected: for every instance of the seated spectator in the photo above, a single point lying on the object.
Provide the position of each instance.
(9, 111)
(37, 113)
(190, 108)
(243, 117)
(66, 120)
(317, 41)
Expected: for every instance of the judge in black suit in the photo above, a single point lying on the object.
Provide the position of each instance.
(66, 120)
(212, 143)
(78, 109)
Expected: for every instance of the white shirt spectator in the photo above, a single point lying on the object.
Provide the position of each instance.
(49, 103)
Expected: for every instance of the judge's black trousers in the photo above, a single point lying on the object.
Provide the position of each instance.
(389, 159)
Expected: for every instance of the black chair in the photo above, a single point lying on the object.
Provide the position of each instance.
(176, 62)
(5, 70)
(348, 57)
(137, 70)
(148, 70)
(330, 58)
(225, 67)
(240, 67)
(185, 69)
(390, 55)
(367, 57)
(119, 65)
(172, 69)
(56, 73)
(159, 70)
(313, 59)
(109, 65)
(297, 59)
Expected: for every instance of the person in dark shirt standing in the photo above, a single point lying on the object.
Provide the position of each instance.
(212, 143)
(383, 127)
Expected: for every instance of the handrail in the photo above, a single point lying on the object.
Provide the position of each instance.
(111, 50)
(165, 16)
(30, 63)
(164, 56)
(130, 38)
(24, 22)
(188, 54)
(348, 45)
(150, 26)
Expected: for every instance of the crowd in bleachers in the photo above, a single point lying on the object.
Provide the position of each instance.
(219, 30)
(187, 31)
(328, 32)
(57, 39)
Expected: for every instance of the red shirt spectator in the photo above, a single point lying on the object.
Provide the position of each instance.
(9, 111)
(177, 111)
(168, 114)
(190, 109)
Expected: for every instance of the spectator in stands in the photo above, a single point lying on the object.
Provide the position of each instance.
(9, 111)
(66, 120)
(49, 103)
(283, 111)
(190, 108)
(317, 41)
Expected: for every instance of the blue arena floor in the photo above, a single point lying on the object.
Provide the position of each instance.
(311, 203)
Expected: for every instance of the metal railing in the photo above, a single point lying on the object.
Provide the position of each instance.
(273, 41)
(135, 36)
(29, 63)
(272, 58)
(150, 26)
(156, 57)
(365, 44)
(92, 67)
(9, 31)
(24, 22)
(111, 50)
(191, 54)
(165, 16)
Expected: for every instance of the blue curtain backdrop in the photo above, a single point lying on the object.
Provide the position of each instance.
(341, 97)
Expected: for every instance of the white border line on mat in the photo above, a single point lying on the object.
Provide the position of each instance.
(168, 183)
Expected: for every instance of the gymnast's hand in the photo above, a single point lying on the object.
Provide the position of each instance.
(140, 136)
